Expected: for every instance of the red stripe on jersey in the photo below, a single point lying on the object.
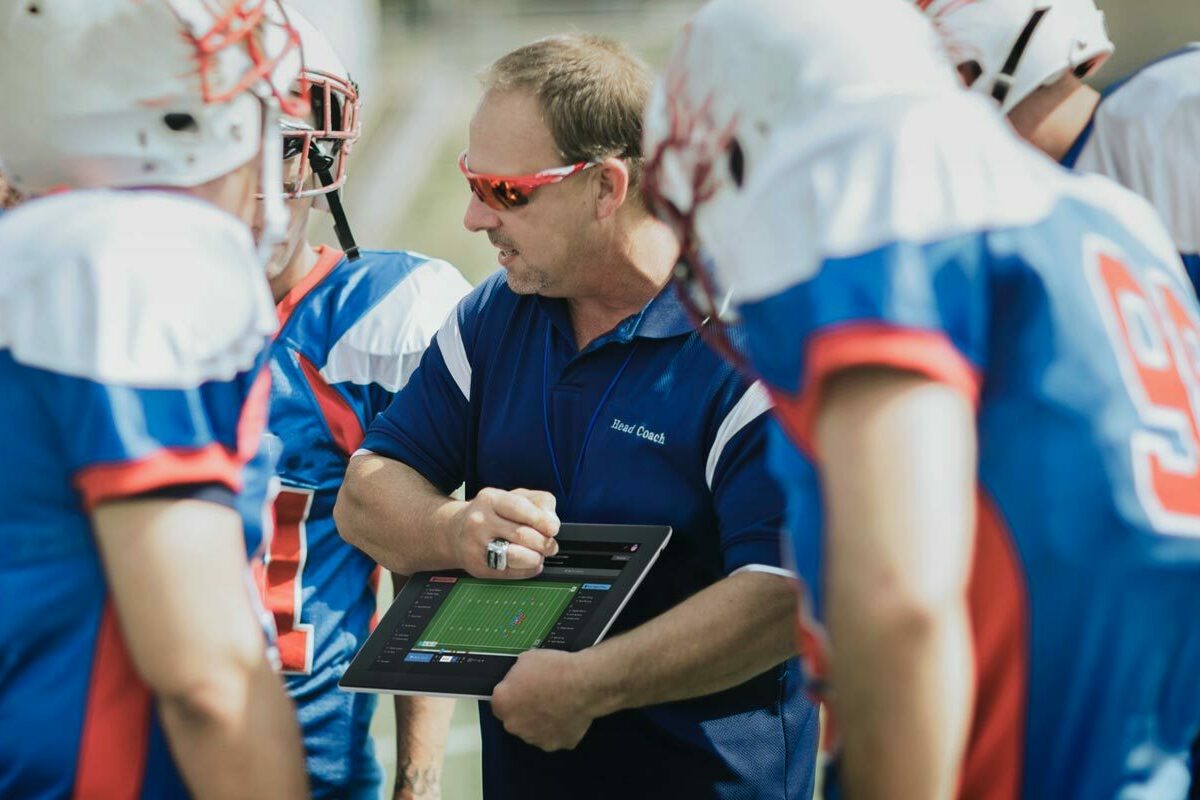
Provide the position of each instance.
(116, 722)
(170, 467)
(343, 423)
(999, 608)
(177, 466)
(284, 591)
(872, 344)
(327, 259)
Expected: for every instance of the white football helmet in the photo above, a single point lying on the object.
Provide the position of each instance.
(335, 105)
(323, 150)
(130, 93)
(751, 78)
(1007, 49)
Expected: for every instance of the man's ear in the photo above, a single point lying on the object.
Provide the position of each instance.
(612, 186)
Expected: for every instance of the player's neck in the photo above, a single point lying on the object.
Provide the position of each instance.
(299, 265)
(1053, 117)
(639, 268)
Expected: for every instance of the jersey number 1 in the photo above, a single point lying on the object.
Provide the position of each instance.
(285, 568)
(1157, 338)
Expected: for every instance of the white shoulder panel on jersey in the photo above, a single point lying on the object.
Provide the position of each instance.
(1146, 136)
(919, 169)
(386, 344)
(138, 288)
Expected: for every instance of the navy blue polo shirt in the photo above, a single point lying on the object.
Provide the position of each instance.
(644, 425)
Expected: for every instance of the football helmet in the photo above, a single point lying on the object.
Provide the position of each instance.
(748, 81)
(323, 151)
(128, 93)
(1007, 49)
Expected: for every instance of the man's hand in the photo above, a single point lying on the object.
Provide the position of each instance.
(546, 700)
(523, 517)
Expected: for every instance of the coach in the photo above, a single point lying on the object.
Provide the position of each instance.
(571, 386)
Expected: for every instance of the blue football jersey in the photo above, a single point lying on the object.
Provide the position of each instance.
(351, 334)
(930, 240)
(133, 361)
(1143, 135)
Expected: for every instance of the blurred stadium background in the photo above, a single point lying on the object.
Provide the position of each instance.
(416, 62)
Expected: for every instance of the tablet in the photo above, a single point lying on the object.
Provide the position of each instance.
(448, 633)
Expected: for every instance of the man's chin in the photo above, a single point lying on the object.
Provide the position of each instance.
(523, 282)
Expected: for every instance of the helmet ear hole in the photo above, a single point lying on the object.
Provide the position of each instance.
(969, 71)
(737, 162)
(179, 122)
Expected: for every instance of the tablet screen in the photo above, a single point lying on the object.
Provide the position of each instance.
(453, 633)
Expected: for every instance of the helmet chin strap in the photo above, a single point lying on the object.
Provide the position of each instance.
(321, 165)
(1004, 81)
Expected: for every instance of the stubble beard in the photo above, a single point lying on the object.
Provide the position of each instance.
(529, 280)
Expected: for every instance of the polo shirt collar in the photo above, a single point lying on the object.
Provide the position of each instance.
(663, 317)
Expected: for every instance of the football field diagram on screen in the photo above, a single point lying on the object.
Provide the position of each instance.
(496, 616)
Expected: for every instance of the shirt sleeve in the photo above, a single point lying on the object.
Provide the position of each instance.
(749, 503)
(425, 425)
(914, 308)
(438, 288)
(123, 441)
(144, 337)
(892, 272)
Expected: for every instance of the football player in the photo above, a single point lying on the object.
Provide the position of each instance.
(1031, 56)
(134, 324)
(991, 363)
(353, 327)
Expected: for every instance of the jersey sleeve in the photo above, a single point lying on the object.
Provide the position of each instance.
(124, 441)
(892, 271)
(749, 503)
(376, 357)
(426, 425)
(148, 352)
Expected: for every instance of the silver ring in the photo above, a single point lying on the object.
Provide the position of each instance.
(497, 554)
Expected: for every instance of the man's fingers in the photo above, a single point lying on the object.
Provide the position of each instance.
(543, 500)
(522, 562)
(519, 509)
(528, 537)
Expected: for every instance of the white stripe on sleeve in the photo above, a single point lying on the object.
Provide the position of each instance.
(450, 342)
(769, 570)
(753, 403)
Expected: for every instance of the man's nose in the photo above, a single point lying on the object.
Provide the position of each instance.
(479, 217)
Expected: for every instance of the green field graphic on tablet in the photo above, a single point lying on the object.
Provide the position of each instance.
(496, 616)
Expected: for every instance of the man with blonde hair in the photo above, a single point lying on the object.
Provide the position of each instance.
(571, 386)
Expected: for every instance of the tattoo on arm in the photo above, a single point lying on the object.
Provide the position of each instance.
(416, 781)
